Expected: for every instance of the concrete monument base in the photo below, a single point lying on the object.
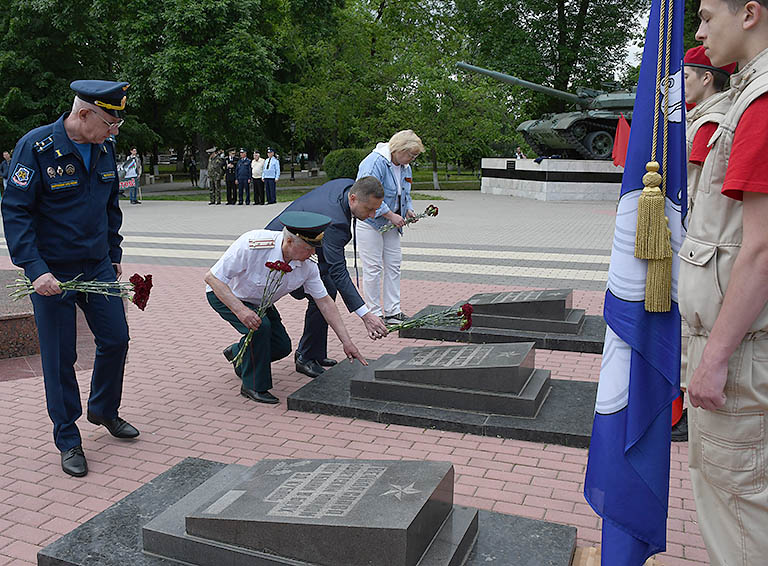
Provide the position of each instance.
(551, 179)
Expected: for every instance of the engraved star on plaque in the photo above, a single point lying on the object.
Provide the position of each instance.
(399, 491)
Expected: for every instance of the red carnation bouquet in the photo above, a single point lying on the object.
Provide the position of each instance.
(447, 317)
(277, 269)
(431, 210)
(136, 289)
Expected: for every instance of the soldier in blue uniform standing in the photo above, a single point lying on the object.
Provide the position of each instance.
(61, 218)
(243, 177)
(270, 175)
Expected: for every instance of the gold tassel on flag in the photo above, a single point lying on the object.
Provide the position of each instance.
(652, 239)
(658, 285)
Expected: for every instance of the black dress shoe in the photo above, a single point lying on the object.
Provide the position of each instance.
(308, 367)
(327, 362)
(73, 462)
(259, 396)
(680, 430)
(117, 427)
(229, 353)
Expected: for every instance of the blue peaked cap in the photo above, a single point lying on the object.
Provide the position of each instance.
(107, 95)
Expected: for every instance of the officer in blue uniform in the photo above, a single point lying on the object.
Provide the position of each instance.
(243, 177)
(61, 218)
(342, 200)
(270, 175)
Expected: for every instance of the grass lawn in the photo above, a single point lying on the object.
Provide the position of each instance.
(282, 196)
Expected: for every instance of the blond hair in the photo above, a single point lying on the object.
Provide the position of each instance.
(405, 140)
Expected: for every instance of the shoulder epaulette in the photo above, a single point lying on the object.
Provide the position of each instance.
(262, 243)
(44, 144)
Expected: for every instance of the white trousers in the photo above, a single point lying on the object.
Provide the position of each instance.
(381, 256)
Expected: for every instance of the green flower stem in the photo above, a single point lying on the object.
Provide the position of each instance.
(273, 283)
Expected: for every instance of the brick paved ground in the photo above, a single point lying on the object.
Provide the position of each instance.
(183, 395)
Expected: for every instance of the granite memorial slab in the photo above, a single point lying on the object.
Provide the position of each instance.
(471, 389)
(306, 492)
(545, 317)
(492, 378)
(357, 513)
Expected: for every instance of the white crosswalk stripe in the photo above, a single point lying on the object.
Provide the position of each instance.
(210, 249)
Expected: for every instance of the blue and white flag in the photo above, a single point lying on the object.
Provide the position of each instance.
(627, 479)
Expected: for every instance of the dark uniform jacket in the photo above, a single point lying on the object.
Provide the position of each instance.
(243, 169)
(54, 210)
(332, 200)
(230, 162)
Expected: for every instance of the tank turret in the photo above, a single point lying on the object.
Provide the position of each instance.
(583, 134)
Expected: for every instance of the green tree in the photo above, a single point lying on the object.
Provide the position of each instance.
(561, 43)
(44, 45)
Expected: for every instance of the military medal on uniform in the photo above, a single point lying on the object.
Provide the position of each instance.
(51, 172)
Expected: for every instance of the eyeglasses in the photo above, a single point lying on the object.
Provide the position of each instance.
(110, 125)
(414, 155)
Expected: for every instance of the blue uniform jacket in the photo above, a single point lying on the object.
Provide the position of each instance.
(331, 199)
(271, 169)
(54, 209)
(376, 165)
(243, 168)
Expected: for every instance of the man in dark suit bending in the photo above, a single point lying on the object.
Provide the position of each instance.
(342, 200)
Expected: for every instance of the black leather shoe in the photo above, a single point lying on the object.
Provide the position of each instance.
(229, 353)
(327, 362)
(73, 462)
(117, 427)
(259, 396)
(680, 430)
(308, 367)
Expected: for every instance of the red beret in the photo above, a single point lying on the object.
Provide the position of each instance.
(696, 57)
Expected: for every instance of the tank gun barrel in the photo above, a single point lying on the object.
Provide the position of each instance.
(567, 96)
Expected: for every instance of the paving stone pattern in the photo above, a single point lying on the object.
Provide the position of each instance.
(183, 395)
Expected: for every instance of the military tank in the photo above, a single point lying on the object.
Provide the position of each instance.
(586, 133)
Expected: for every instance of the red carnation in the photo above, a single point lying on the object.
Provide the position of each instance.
(141, 289)
(282, 266)
(271, 265)
(466, 314)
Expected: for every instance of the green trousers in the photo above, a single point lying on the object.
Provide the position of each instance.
(270, 343)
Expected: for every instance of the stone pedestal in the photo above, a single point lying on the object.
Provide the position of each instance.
(495, 379)
(489, 390)
(544, 317)
(306, 513)
(323, 512)
(552, 179)
(17, 321)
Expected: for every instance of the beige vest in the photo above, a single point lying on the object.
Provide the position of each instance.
(712, 109)
(715, 223)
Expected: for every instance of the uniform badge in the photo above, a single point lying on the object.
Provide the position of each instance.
(22, 175)
(261, 244)
(70, 169)
(59, 170)
(51, 172)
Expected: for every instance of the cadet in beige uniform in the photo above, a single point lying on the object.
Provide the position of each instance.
(724, 293)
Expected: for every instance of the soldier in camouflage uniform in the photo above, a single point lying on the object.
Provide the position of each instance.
(215, 172)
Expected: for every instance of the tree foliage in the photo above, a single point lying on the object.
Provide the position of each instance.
(346, 73)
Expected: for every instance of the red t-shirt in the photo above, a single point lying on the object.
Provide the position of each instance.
(747, 164)
(699, 148)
